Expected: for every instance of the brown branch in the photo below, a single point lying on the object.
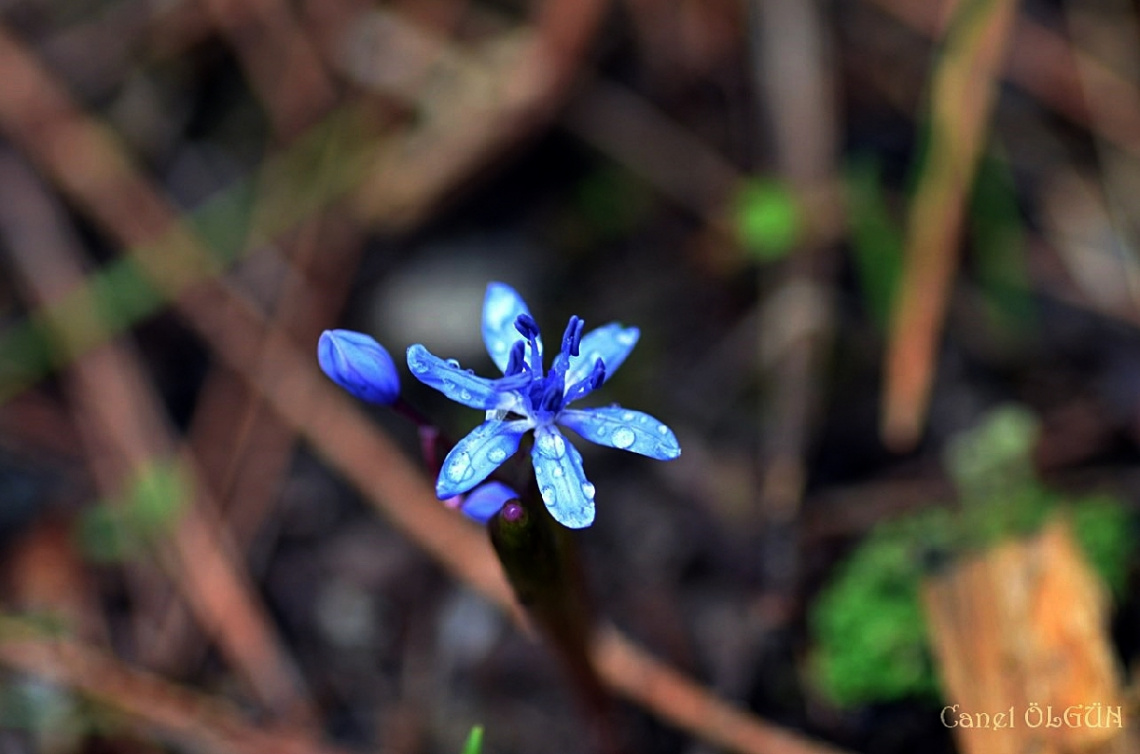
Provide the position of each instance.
(178, 714)
(1044, 64)
(128, 434)
(963, 91)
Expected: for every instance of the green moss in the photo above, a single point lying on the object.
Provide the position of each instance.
(869, 635)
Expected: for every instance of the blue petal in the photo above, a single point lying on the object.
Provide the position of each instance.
(477, 455)
(621, 428)
(486, 500)
(501, 307)
(568, 495)
(359, 364)
(464, 387)
(611, 343)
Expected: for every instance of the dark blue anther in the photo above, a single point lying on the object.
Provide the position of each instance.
(597, 374)
(573, 336)
(587, 384)
(516, 360)
(526, 326)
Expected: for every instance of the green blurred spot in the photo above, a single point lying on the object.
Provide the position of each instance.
(612, 201)
(38, 707)
(1106, 532)
(768, 219)
(876, 239)
(994, 454)
(119, 529)
(867, 624)
(474, 743)
(999, 249)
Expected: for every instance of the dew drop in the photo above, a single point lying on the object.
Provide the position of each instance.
(465, 395)
(497, 455)
(622, 437)
(627, 416)
(419, 366)
(453, 363)
(557, 472)
(588, 490)
(552, 444)
(662, 429)
(459, 466)
(548, 495)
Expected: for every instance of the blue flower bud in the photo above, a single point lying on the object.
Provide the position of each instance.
(359, 364)
(486, 500)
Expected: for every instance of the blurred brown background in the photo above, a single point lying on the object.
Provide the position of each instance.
(847, 231)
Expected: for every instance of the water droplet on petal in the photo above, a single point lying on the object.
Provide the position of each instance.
(453, 363)
(627, 416)
(459, 466)
(465, 395)
(419, 366)
(622, 437)
(557, 472)
(497, 455)
(588, 490)
(548, 495)
(552, 444)
(662, 429)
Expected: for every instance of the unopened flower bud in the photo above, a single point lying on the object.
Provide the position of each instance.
(359, 364)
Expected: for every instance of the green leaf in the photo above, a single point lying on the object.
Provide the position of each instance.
(1106, 531)
(999, 250)
(474, 743)
(768, 219)
(876, 237)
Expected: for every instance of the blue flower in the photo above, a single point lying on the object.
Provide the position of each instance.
(485, 501)
(526, 398)
(359, 364)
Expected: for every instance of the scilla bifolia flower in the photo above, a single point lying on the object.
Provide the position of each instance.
(528, 398)
(360, 365)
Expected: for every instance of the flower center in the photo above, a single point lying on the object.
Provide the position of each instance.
(547, 394)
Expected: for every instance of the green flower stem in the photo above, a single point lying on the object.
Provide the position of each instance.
(541, 563)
